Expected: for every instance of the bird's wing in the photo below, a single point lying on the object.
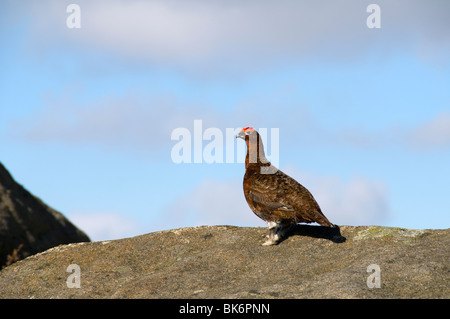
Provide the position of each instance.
(262, 200)
(282, 195)
(266, 196)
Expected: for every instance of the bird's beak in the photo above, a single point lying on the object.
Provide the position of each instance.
(241, 135)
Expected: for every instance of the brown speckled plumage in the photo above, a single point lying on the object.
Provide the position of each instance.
(274, 196)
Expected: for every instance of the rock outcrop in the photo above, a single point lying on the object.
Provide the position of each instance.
(27, 225)
(229, 262)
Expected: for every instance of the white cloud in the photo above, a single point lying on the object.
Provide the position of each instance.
(201, 34)
(432, 134)
(119, 122)
(114, 122)
(358, 201)
(105, 226)
(131, 123)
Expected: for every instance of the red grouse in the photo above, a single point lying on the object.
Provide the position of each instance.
(274, 196)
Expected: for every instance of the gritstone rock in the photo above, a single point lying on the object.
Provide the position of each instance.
(27, 225)
(229, 262)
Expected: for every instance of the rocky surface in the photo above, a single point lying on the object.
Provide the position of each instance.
(229, 262)
(28, 225)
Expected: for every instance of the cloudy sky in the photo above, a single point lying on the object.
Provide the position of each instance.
(363, 114)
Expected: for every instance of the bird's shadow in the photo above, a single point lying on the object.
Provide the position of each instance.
(330, 233)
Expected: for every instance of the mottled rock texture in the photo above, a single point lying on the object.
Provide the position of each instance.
(229, 262)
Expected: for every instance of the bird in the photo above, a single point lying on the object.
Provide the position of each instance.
(274, 196)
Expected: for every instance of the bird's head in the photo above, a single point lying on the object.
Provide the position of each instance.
(246, 131)
(255, 148)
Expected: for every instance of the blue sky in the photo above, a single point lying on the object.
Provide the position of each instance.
(363, 114)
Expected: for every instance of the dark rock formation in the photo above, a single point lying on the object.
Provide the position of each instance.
(27, 225)
(229, 262)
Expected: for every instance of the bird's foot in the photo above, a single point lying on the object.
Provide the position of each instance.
(272, 240)
(269, 242)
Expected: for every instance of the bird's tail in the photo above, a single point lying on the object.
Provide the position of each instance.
(325, 222)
